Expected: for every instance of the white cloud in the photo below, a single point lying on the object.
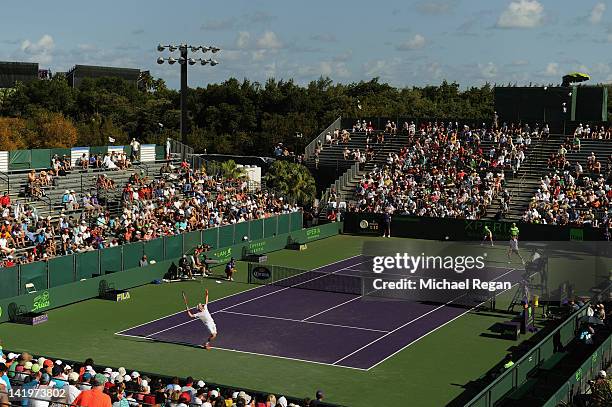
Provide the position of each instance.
(416, 42)
(552, 69)
(326, 68)
(342, 71)
(39, 51)
(376, 68)
(435, 70)
(243, 39)
(258, 55)
(269, 40)
(522, 14)
(488, 70)
(597, 13)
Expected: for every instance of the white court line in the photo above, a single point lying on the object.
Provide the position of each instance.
(288, 358)
(433, 330)
(218, 299)
(252, 299)
(408, 323)
(254, 353)
(303, 322)
(334, 307)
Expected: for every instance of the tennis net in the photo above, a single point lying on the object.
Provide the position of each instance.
(305, 279)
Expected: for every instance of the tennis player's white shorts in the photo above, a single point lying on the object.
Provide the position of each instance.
(211, 327)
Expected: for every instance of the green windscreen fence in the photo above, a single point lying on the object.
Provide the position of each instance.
(132, 253)
(257, 231)
(99, 150)
(174, 246)
(111, 259)
(191, 240)
(160, 153)
(283, 224)
(227, 241)
(41, 158)
(9, 282)
(296, 221)
(61, 271)
(241, 230)
(19, 159)
(226, 236)
(60, 152)
(154, 249)
(35, 273)
(270, 227)
(209, 237)
(87, 265)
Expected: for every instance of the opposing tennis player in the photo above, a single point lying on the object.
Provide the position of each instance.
(204, 315)
(513, 248)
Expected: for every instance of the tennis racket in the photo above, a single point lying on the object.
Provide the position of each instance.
(185, 299)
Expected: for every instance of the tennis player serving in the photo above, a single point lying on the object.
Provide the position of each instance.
(204, 315)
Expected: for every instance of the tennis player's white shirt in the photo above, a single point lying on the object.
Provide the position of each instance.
(207, 320)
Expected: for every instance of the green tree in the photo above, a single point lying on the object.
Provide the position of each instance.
(230, 169)
(292, 180)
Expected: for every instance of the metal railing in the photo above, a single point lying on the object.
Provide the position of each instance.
(182, 151)
(341, 183)
(4, 177)
(310, 148)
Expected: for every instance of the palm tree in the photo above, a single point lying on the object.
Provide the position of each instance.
(293, 180)
(230, 169)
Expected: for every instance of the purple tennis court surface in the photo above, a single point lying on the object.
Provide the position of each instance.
(343, 330)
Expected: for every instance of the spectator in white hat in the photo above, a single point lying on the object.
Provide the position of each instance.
(71, 389)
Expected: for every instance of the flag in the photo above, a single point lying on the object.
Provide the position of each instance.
(110, 139)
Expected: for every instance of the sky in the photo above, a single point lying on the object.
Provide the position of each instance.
(403, 42)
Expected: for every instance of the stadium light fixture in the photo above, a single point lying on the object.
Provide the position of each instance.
(184, 61)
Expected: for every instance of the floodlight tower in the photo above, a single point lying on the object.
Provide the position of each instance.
(183, 61)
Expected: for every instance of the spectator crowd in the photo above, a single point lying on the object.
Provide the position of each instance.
(46, 382)
(178, 200)
(444, 170)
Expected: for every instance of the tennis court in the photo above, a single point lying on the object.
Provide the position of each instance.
(347, 330)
